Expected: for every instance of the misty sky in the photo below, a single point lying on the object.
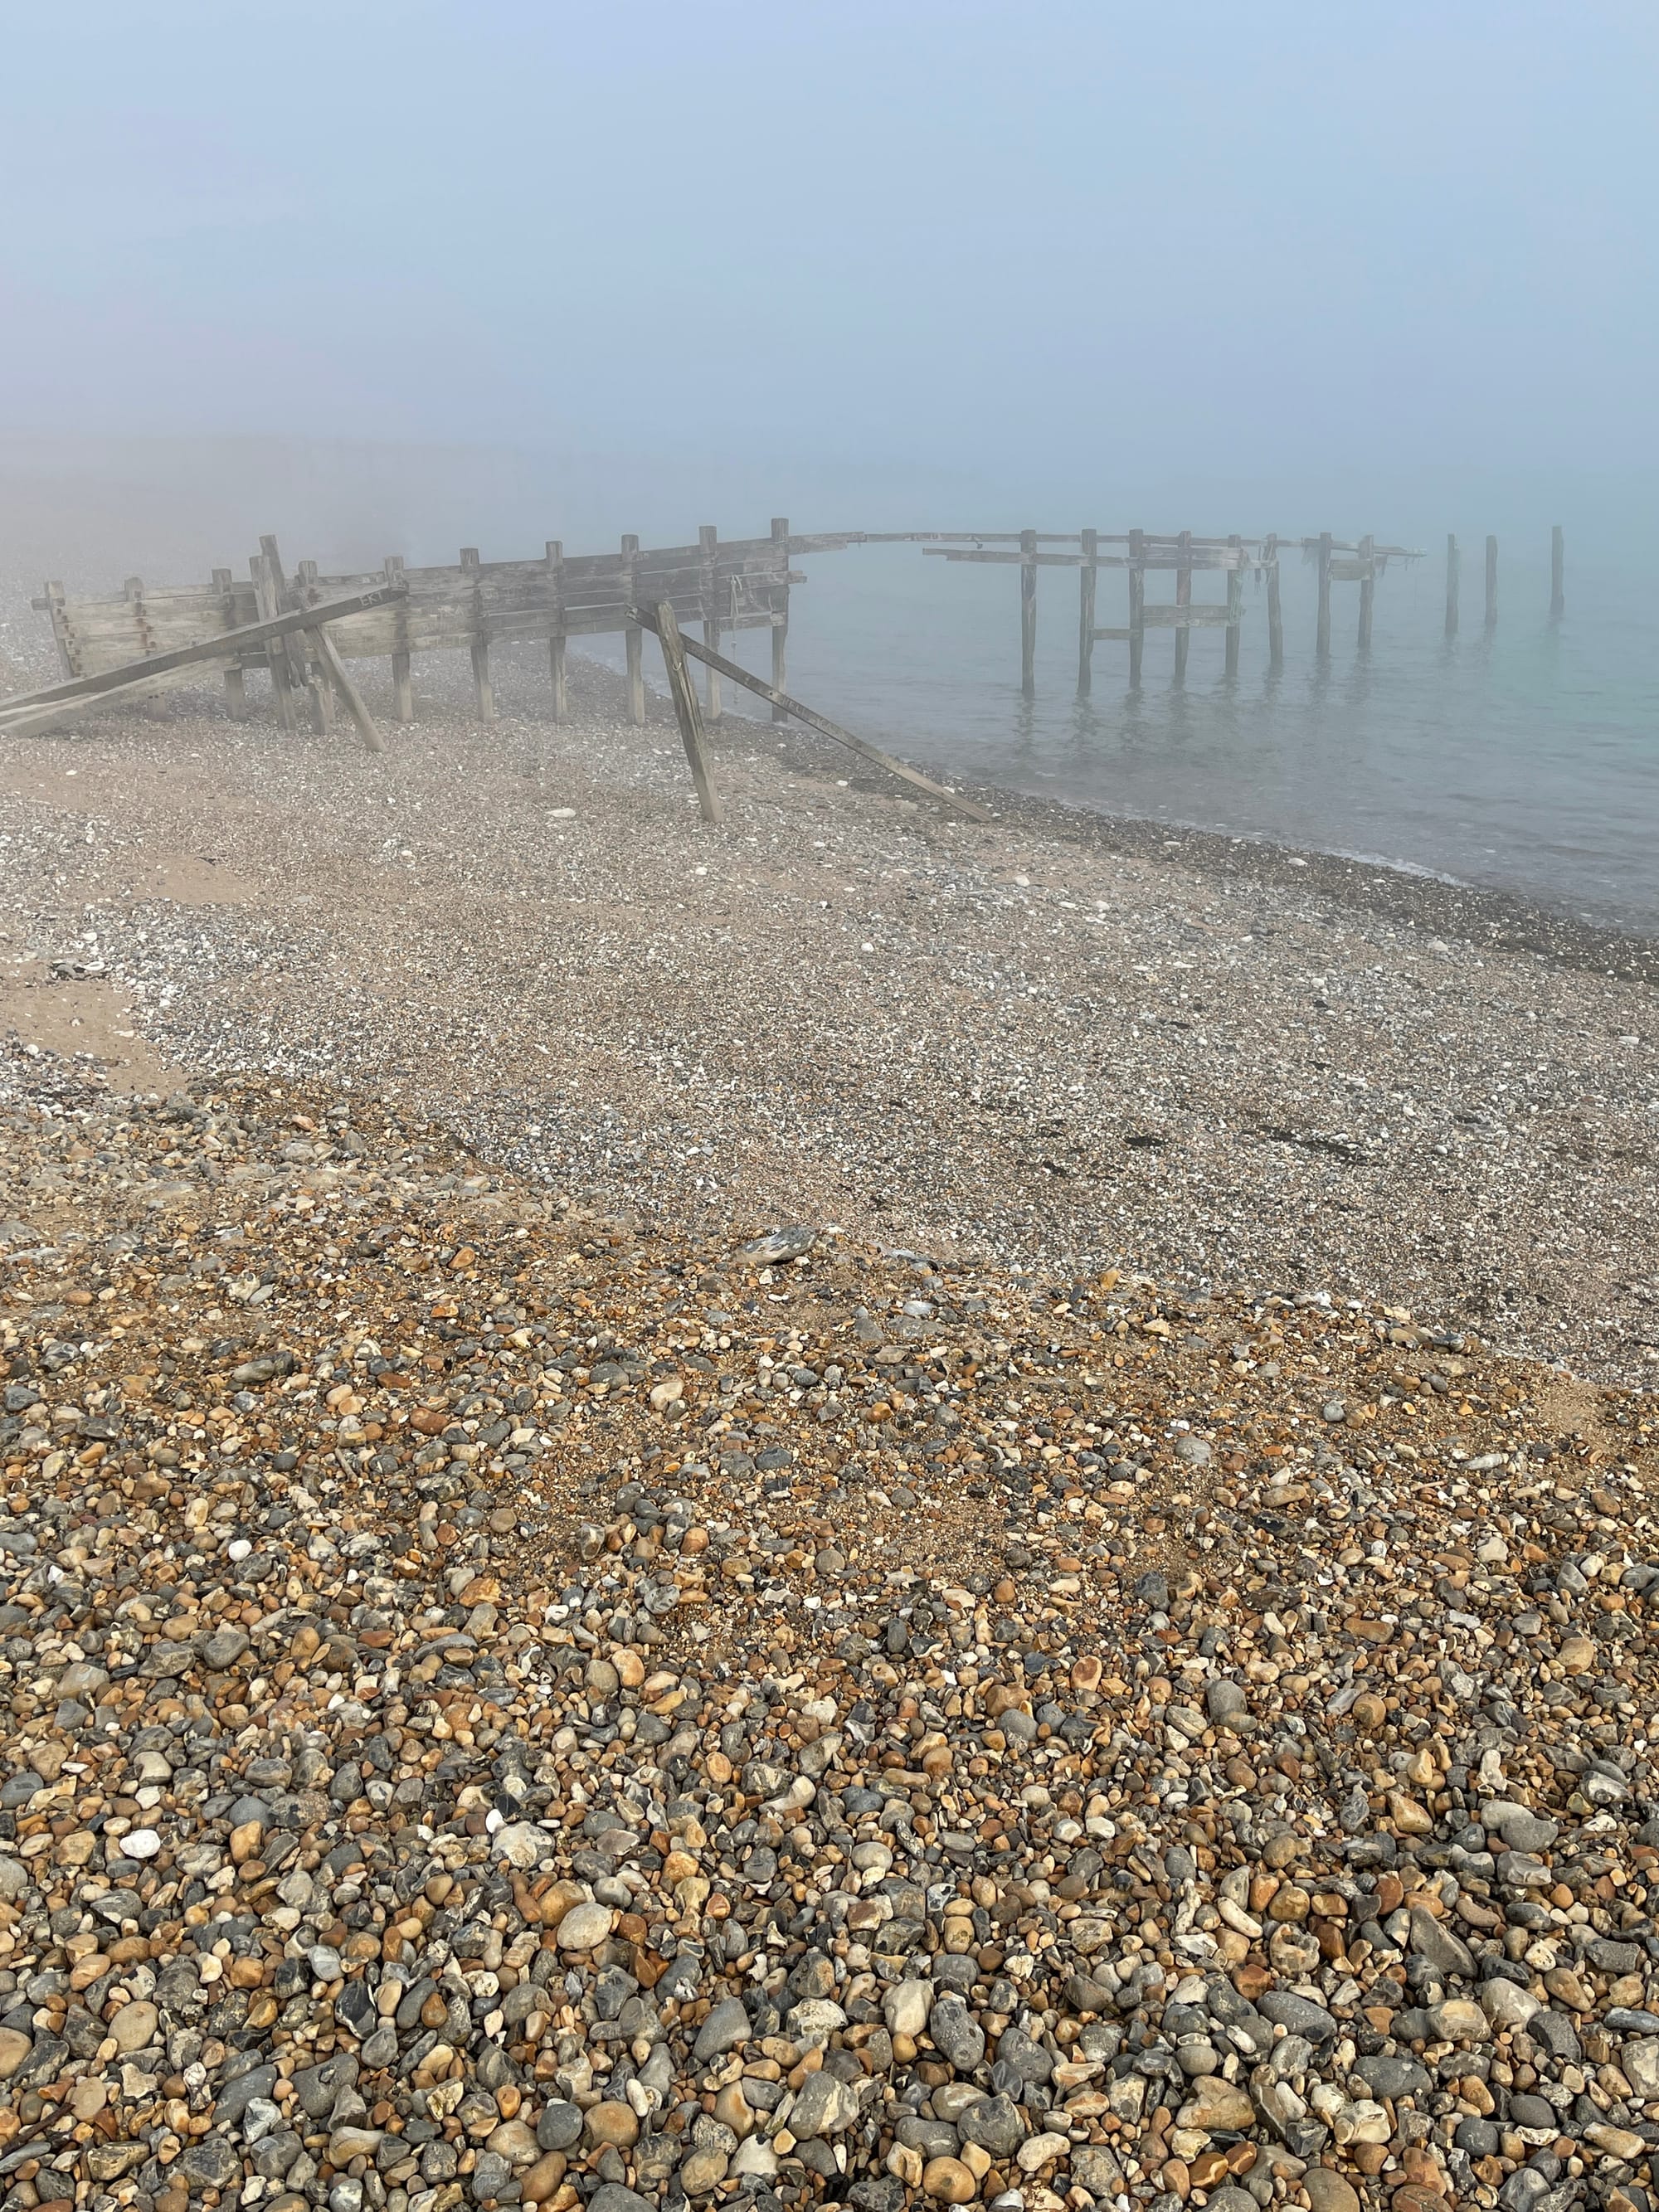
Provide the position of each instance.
(1058, 231)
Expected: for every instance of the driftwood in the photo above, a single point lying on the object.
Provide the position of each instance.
(813, 721)
(33, 711)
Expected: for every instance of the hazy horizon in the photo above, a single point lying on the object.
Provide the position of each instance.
(403, 279)
(1023, 251)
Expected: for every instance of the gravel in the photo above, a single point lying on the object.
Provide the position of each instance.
(545, 1659)
(1059, 1043)
(446, 1769)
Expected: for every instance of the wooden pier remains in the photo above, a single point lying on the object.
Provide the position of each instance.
(718, 585)
(1182, 555)
(475, 605)
(303, 630)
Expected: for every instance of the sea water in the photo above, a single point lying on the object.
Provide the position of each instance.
(1525, 758)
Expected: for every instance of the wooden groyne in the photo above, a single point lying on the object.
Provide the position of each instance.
(723, 586)
(717, 586)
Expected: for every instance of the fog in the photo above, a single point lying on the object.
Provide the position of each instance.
(407, 278)
(410, 273)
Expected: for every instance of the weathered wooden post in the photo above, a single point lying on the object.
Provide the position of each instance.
(317, 674)
(56, 608)
(235, 684)
(269, 602)
(1137, 606)
(709, 587)
(683, 693)
(133, 592)
(1492, 583)
(1323, 624)
(292, 648)
(1367, 590)
(1454, 571)
(402, 690)
(1235, 602)
(781, 628)
(1085, 614)
(633, 637)
(483, 690)
(556, 631)
(1028, 613)
(1558, 573)
(1184, 599)
(1275, 611)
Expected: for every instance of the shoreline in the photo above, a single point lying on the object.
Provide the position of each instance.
(1068, 1042)
(1487, 916)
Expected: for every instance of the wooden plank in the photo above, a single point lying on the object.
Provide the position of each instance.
(1348, 572)
(1119, 635)
(1178, 618)
(142, 678)
(1367, 565)
(833, 541)
(1323, 624)
(1028, 613)
(825, 727)
(1454, 572)
(1184, 600)
(1558, 573)
(1235, 609)
(247, 640)
(1087, 575)
(1137, 607)
(348, 691)
(478, 643)
(708, 547)
(1218, 558)
(781, 614)
(555, 637)
(1492, 583)
(683, 692)
(1275, 611)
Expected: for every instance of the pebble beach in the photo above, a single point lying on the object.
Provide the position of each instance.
(852, 1509)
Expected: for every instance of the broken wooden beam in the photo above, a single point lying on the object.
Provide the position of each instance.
(31, 711)
(348, 690)
(799, 712)
(687, 711)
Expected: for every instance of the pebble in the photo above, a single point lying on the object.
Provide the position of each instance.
(525, 1809)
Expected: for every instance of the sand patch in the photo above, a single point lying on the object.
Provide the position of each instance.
(193, 879)
(1572, 1408)
(68, 1015)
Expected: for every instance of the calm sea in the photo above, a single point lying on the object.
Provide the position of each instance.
(1527, 758)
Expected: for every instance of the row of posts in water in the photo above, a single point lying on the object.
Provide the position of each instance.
(1453, 570)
